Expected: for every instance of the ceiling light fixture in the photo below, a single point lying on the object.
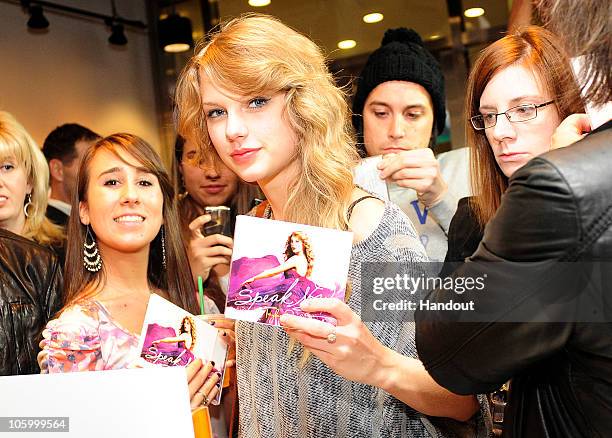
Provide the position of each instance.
(259, 3)
(175, 33)
(116, 23)
(347, 44)
(117, 36)
(473, 12)
(37, 18)
(374, 17)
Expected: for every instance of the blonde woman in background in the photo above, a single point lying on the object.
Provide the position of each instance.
(24, 186)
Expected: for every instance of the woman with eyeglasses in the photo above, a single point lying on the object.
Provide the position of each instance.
(520, 89)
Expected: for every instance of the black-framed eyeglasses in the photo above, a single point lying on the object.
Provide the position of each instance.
(517, 114)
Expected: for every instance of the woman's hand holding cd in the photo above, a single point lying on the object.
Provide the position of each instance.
(203, 384)
(349, 348)
(226, 328)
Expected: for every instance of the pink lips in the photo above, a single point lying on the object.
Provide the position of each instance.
(513, 156)
(214, 189)
(241, 156)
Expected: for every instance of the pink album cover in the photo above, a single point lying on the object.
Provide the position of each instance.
(172, 337)
(276, 265)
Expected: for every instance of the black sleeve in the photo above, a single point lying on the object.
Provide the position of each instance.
(54, 293)
(537, 223)
(464, 235)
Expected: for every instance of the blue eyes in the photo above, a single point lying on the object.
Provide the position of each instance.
(212, 114)
(255, 103)
(258, 102)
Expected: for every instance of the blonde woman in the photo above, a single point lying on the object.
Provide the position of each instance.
(24, 185)
(259, 94)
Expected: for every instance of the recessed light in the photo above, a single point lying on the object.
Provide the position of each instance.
(259, 3)
(474, 12)
(374, 17)
(176, 48)
(346, 44)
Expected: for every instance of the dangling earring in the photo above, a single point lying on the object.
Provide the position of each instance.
(27, 204)
(91, 259)
(163, 243)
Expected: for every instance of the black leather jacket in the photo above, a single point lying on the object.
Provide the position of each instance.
(558, 207)
(30, 293)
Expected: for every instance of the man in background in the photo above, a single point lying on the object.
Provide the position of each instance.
(398, 112)
(63, 148)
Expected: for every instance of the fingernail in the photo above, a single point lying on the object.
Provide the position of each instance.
(212, 322)
(224, 333)
(212, 362)
(218, 385)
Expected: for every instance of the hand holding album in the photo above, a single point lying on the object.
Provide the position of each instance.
(354, 353)
(172, 336)
(271, 277)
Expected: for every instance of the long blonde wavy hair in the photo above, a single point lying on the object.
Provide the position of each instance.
(257, 54)
(15, 142)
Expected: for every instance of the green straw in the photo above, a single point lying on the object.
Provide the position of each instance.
(201, 292)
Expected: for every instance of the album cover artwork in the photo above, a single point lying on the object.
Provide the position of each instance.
(276, 265)
(172, 337)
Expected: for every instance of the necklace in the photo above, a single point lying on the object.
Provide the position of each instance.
(268, 211)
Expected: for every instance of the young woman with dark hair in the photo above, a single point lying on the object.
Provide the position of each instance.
(124, 245)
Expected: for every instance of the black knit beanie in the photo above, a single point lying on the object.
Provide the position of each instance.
(401, 57)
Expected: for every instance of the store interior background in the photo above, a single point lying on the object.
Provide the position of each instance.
(69, 72)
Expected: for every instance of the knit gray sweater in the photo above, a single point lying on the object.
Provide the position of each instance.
(280, 398)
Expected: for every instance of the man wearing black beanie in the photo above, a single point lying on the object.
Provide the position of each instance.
(398, 111)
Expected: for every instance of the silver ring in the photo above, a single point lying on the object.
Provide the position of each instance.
(205, 401)
(331, 338)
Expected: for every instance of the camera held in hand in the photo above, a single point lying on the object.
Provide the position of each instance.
(219, 223)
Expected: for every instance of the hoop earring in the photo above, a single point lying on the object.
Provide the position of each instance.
(163, 244)
(27, 204)
(91, 259)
